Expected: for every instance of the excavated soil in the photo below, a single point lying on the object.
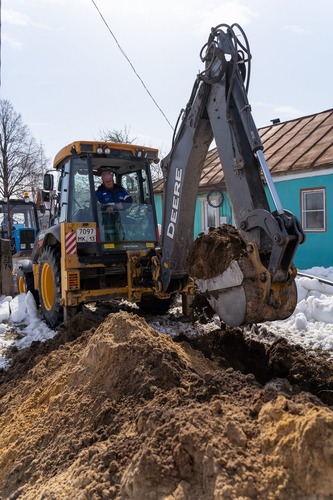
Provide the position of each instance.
(121, 411)
(112, 409)
(223, 245)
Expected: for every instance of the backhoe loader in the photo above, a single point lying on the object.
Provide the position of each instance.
(94, 251)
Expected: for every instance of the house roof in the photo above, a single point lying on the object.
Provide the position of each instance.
(301, 145)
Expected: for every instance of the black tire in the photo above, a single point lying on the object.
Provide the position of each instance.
(49, 285)
(152, 305)
(25, 284)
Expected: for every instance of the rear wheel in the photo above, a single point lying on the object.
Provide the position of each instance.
(49, 284)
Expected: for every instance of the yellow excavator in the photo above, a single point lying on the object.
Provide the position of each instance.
(96, 249)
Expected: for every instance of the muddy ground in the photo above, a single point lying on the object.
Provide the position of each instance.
(110, 408)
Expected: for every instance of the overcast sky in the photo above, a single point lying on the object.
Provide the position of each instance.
(64, 73)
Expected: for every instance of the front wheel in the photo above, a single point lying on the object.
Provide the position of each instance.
(49, 285)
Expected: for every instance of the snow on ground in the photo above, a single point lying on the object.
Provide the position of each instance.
(20, 324)
(311, 324)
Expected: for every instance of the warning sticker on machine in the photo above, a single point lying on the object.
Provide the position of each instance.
(86, 234)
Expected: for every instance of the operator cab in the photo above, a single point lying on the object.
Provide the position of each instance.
(127, 224)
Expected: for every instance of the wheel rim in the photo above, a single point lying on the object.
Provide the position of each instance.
(48, 290)
(21, 285)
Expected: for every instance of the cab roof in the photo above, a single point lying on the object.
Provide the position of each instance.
(105, 150)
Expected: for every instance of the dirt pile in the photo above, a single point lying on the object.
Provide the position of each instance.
(125, 412)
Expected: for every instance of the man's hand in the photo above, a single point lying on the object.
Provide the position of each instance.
(109, 207)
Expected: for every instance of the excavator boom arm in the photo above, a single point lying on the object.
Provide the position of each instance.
(219, 109)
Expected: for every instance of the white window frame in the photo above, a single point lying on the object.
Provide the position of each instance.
(304, 210)
(207, 209)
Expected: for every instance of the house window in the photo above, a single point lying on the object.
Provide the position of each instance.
(210, 211)
(209, 215)
(313, 209)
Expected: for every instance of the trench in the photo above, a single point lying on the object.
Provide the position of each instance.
(231, 347)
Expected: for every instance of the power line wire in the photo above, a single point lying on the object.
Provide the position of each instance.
(130, 63)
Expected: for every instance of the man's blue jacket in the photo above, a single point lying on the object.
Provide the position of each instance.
(115, 195)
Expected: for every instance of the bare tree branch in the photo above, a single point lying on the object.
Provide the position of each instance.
(122, 136)
(22, 160)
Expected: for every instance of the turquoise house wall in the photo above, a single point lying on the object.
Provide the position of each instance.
(317, 249)
(158, 205)
(197, 218)
(225, 211)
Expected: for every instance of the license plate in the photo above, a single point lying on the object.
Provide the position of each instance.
(86, 234)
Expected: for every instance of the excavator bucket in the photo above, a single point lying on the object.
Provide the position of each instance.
(235, 281)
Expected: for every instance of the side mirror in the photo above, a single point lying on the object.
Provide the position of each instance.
(48, 182)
